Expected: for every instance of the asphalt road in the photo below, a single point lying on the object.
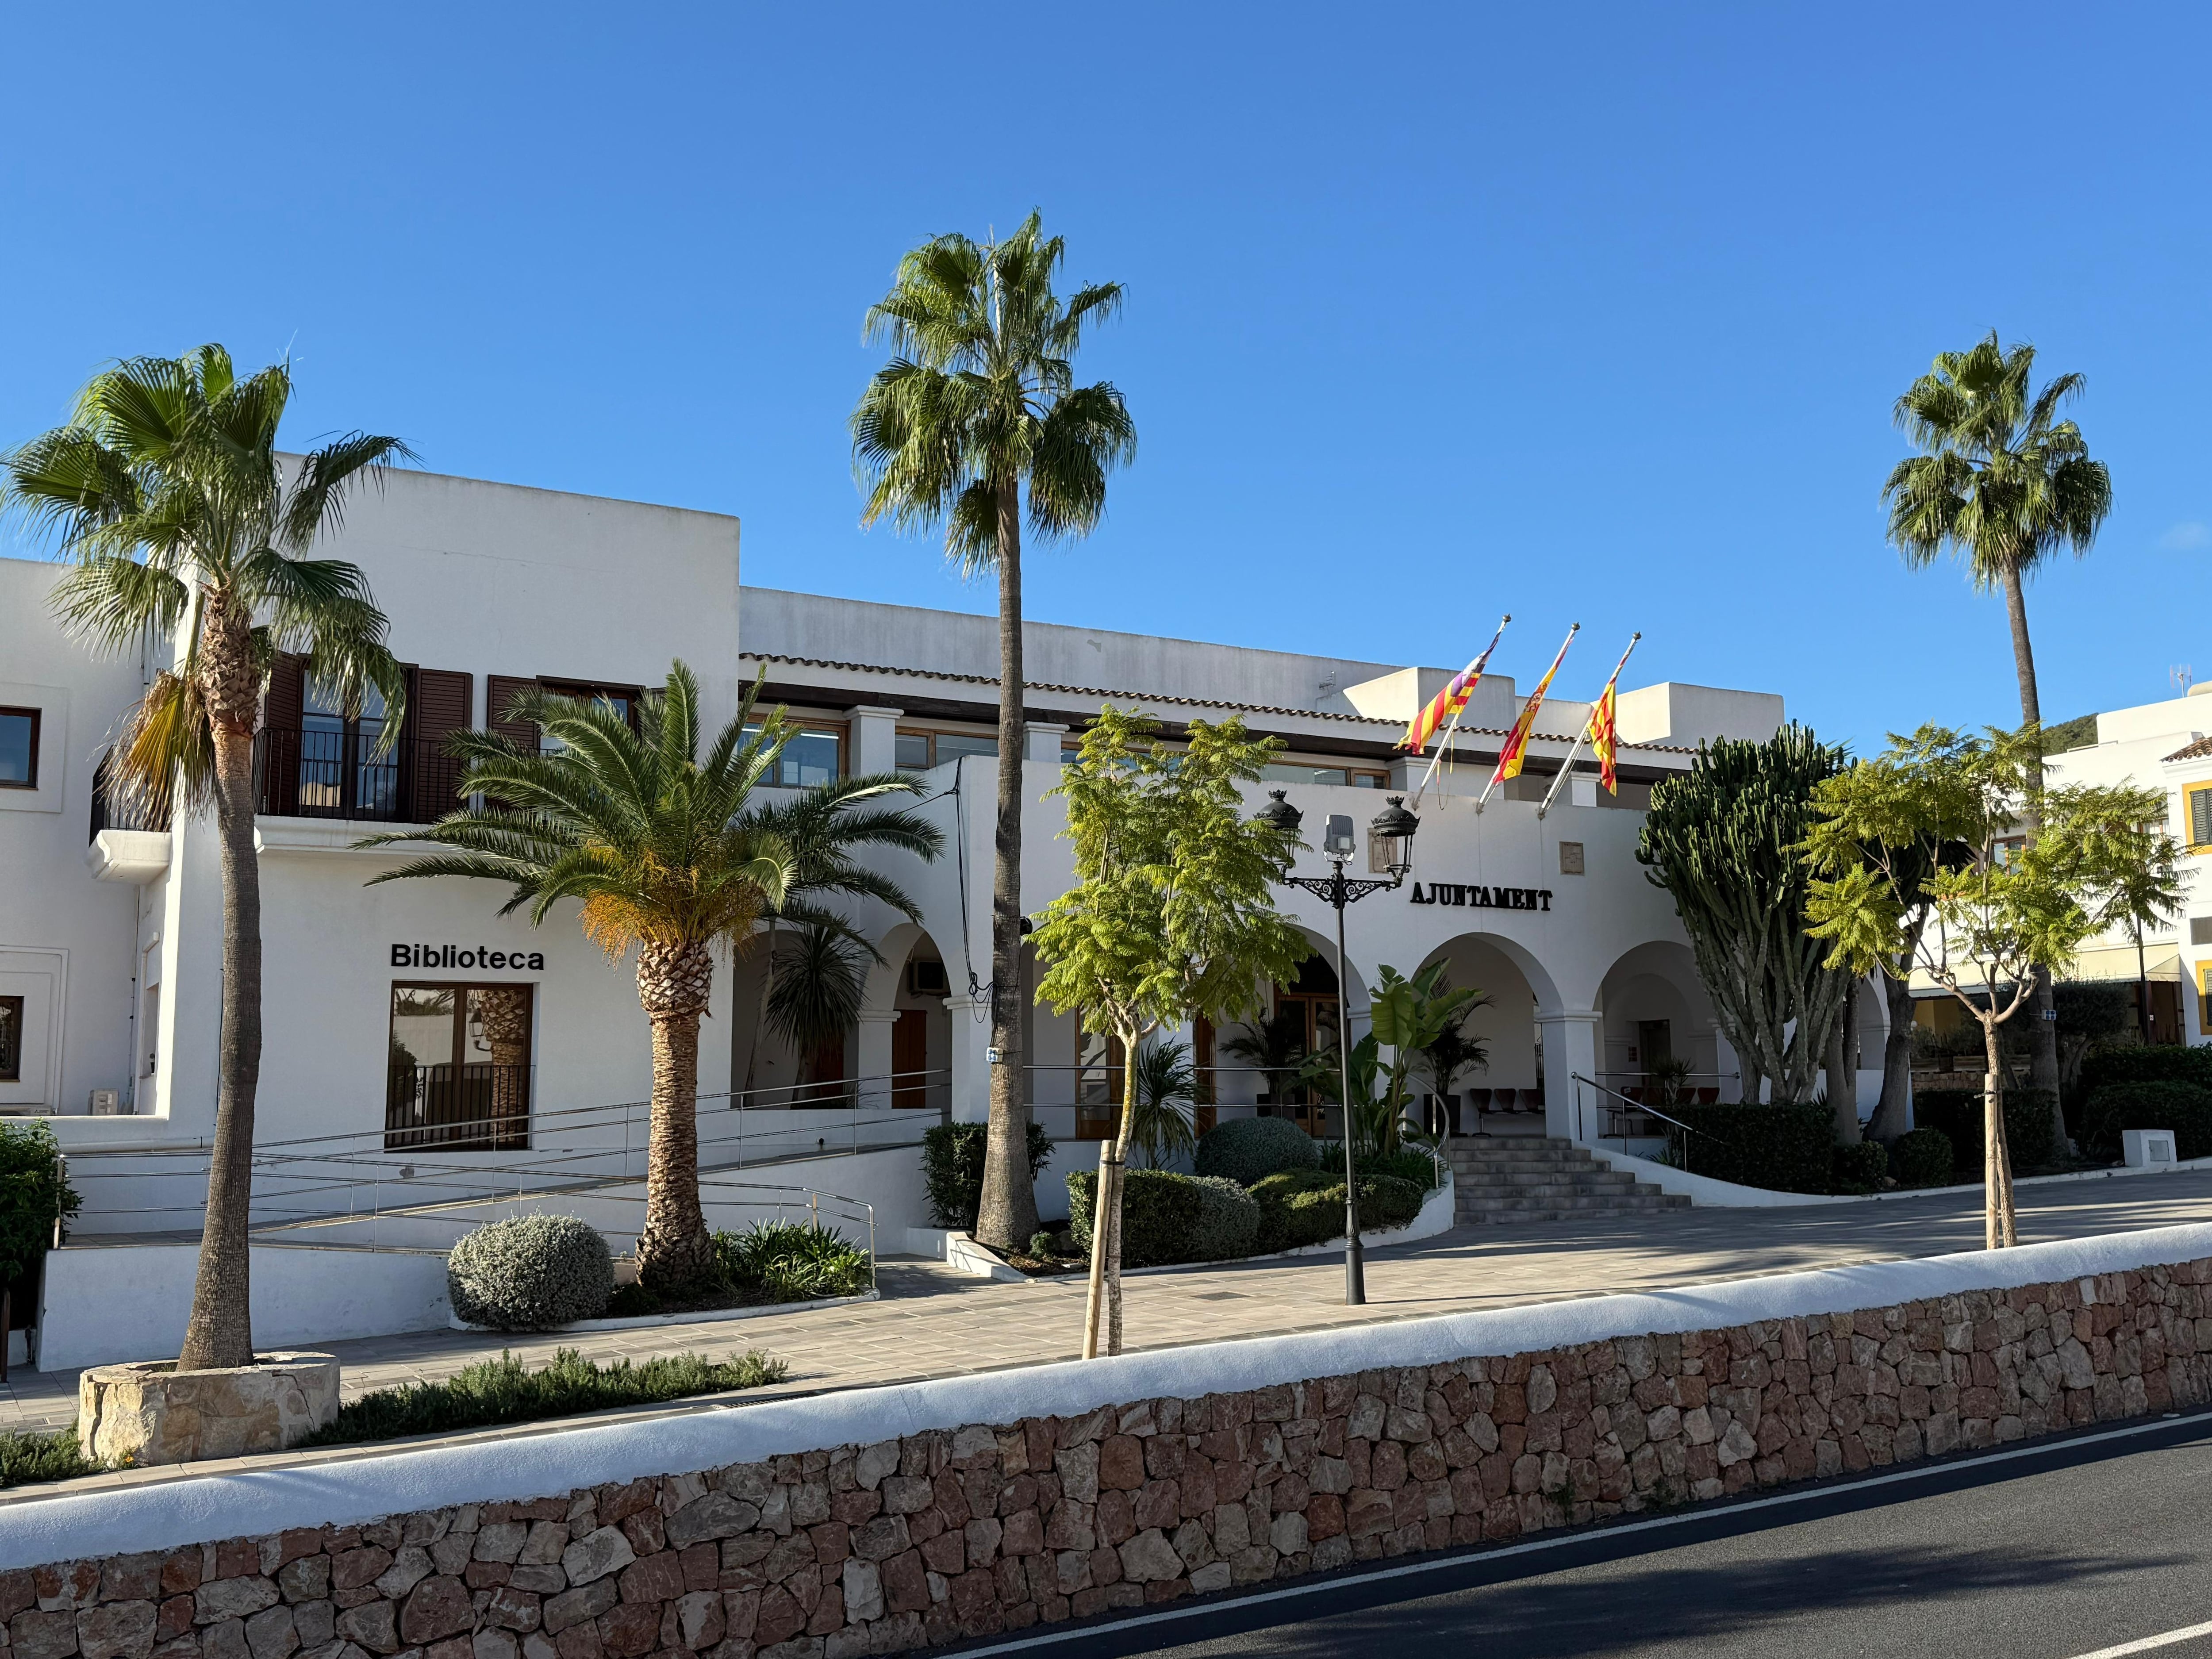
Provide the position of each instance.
(2098, 1545)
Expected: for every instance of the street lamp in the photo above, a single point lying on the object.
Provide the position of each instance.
(1392, 833)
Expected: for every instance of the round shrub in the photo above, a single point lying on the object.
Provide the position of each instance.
(1228, 1220)
(1922, 1157)
(1306, 1206)
(1860, 1167)
(1159, 1215)
(530, 1272)
(1248, 1149)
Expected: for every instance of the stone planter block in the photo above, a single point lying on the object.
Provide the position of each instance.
(151, 1412)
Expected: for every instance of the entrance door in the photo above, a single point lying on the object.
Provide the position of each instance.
(910, 1060)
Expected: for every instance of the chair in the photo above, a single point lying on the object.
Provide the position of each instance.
(1480, 1099)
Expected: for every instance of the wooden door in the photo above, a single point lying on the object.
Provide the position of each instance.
(910, 1060)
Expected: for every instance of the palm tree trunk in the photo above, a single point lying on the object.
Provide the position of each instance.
(2043, 1031)
(673, 1250)
(1008, 1214)
(219, 1333)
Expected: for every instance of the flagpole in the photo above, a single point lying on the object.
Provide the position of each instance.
(1528, 714)
(1568, 765)
(1443, 745)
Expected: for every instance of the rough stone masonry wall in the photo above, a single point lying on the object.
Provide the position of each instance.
(966, 1532)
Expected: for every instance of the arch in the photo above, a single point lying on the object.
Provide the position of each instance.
(871, 1050)
(1507, 1088)
(1652, 995)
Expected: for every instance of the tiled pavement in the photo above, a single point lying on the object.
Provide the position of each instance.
(932, 1323)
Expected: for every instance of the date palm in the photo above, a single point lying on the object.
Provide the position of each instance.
(2005, 483)
(978, 408)
(656, 844)
(184, 526)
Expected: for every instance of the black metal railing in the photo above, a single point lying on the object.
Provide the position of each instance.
(474, 1107)
(341, 774)
(113, 809)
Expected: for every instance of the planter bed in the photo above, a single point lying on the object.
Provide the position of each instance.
(680, 1316)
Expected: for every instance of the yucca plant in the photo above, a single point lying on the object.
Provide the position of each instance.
(184, 524)
(656, 844)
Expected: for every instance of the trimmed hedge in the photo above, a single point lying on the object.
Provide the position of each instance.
(1782, 1148)
(1248, 1149)
(1306, 1206)
(1160, 1213)
(2184, 1108)
(1228, 1220)
(1958, 1114)
(952, 1170)
(1859, 1168)
(530, 1272)
(2155, 1062)
(1922, 1157)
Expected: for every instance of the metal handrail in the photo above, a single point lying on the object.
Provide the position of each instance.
(1636, 1106)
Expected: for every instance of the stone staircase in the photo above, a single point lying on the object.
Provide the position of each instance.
(1507, 1178)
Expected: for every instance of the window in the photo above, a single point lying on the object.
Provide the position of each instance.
(918, 752)
(19, 748)
(2200, 930)
(2005, 848)
(2199, 815)
(459, 1068)
(1099, 1060)
(1341, 776)
(342, 775)
(11, 1039)
(621, 699)
(814, 755)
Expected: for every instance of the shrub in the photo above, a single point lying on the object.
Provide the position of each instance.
(1859, 1169)
(26, 1459)
(1044, 1244)
(1159, 1215)
(1406, 1163)
(1228, 1220)
(530, 1272)
(503, 1390)
(33, 1198)
(2155, 1062)
(1782, 1148)
(1248, 1149)
(2184, 1108)
(793, 1261)
(952, 1170)
(1306, 1206)
(1922, 1157)
(1958, 1114)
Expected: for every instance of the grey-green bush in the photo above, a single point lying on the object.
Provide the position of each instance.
(532, 1272)
(1248, 1149)
(1228, 1220)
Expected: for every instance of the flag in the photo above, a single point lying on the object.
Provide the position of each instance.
(1451, 699)
(1515, 749)
(1605, 739)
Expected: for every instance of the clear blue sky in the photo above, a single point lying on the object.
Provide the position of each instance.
(1589, 314)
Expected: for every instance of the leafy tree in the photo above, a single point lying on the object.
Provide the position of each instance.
(655, 843)
(979, 405)
(184, 526)
(2005, 483)
(826, 826)
(1723, 841)
(1171, 918)
(2103, 859)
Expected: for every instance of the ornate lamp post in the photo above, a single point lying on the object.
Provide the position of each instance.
(1393, 834)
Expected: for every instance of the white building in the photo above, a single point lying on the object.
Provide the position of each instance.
(392, 1010)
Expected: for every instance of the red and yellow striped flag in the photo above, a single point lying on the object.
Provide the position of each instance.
(1451, 699)
(1516, 743)
(1605, 738)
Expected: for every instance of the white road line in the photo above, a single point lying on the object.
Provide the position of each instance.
(1562, 1539)
(2189, 1634)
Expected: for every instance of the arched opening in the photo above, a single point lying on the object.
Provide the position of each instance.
(894, 1051)
(1657, 1040)
(1498, 1086)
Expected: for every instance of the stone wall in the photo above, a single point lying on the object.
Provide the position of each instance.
(963, 1532)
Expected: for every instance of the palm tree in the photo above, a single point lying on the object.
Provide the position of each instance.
(1164, 1102)
(818, 997)
(657, 844)
(1275, 1047)
(167, 491)
(825, 826)
(980, 401)
(2001, 481)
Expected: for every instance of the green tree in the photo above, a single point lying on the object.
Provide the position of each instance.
(978, 408)
(1409, 1015)
(1171, 918)
(2103, 859)
(1723, 841)
(1274, 1047)
(184, 525)
(1163, 1103)
(2005, 483)
(656, 845)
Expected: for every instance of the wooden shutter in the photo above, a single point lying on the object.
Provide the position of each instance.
(499, 688)
(2200, 818)
(283, 707)
(440, 702)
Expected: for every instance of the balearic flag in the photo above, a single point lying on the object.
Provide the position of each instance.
(1447, 702)
(1517, 744)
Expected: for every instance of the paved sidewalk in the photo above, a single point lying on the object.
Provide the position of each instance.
(932, 1322)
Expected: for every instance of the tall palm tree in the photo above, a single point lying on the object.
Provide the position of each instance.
(656, 843)
(826, 826)
(2001, 481)
(184, 526)
(980, 402)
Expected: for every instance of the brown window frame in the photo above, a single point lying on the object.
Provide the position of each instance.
(489, 1135)
(37, 719)
(840, 730)
(932, 734)
(11, 1039)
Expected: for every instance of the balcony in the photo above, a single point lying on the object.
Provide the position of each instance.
(339, 774)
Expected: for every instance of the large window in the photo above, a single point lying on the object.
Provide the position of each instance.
(459, 1067)
(814, 755)
(621, 699)
(19, 748)
(919, 751)
(11, 1039)
(342, 774)
(1355, 777)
